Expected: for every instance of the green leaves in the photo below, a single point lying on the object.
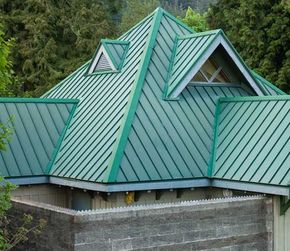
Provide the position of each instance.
(260, 31)
(195, 20)
(53, 38)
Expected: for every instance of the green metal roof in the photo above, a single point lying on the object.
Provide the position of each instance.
(88, 147)
(117, 51)
(253, 140)
(38, 128)
(128, 129)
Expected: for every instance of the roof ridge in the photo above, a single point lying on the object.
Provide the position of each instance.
(134, 98)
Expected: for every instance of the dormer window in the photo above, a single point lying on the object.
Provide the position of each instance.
(109, 57)
(210, 72)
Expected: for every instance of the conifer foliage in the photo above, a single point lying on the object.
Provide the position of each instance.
(260, 31)
(53, 38)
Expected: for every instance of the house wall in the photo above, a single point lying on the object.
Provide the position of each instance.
(281, 227)
(149, 197)
(241, 223)
(50, 194)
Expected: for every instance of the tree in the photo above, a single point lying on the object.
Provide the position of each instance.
(260, 31)
(8, 81)
(8, 238)
(134, 11)
(195, 20)
(53, 38)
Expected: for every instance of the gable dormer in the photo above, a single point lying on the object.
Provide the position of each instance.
(208, 57)
(109, 57)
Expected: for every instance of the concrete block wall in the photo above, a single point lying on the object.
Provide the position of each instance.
(244, 223)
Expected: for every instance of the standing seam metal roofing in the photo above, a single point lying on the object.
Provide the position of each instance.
(38, 127)
(253, 140)
(124, 129)
(87, 149)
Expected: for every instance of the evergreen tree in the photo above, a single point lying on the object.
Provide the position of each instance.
(134, 11)
(195, 20)
(53, 38)
(260, 31)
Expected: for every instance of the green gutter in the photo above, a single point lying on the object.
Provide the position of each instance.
(59, 141)
(134, 99)
(212, 160)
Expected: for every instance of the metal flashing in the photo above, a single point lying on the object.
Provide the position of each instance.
(251, 187)
(125, 187)
(33, 180)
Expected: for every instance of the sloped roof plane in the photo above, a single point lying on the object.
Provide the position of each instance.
(130, 132)
(38, 127)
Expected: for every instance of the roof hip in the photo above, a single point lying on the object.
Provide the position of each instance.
(134, 98)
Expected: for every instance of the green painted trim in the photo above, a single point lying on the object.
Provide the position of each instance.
(269, 84)
(255, 98)
(200, 34)
(60, 140)
(172, 59)
(172, 89)
(38, 100)
(284, 205)
(133, 100)
(119, 66)
(212, 161)
(173, 18)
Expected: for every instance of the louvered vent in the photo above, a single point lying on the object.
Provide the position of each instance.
(103, 64)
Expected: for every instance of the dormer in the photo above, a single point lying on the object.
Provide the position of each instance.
(208, 58)
(109, 56)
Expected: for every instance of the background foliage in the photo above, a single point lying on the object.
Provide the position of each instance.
(53, 38)
(260, 31)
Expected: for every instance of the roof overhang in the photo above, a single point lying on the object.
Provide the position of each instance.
(156, 185)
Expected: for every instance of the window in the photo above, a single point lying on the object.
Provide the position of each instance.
(210, 72)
